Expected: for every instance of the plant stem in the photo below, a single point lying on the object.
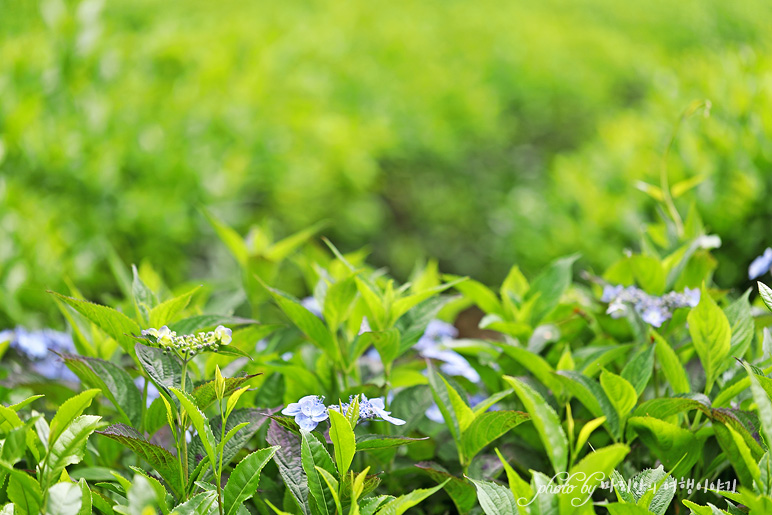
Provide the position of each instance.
(183, 431)
(219, 469)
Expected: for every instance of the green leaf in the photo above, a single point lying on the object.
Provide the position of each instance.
(204, 394)
(487, 427)
(231, 238)
(547, 288)
(521, 490)
(85, 496)
(164, 462)
(64, 499)
(164, 312)
(23, 490)
(344, 441)
(586, 431)
(164, 369)
(638, 370)
(546, 422)
(339, 301)
(442, 396)
(69, 411)
(403, 503)
(626, 509)
(403, 305)
(763, 405)
(648, 273)
(669, 443)
(289, 462)
(158, 489)
(589, 472)
(461, 492)
(494, 498)
(68, 448)
(765, 292)
(332, 485)
(114, 382)
(592, 395)
(204, 503)
(374, 304)
(711, 336)
(385, 342)
(244, 479)
(620, 392)
(314, 455)
(535, 364)
(200, 422)
(740, 319)
(308, 323)
(370, 441)
(144, 298)
(478, 293)
(671, 366)
(117, 325)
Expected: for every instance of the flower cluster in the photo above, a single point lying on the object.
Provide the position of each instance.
(36, 346)
(652, 310)
(761, 265)
(310, 410)
(369, 409)
(190, 344)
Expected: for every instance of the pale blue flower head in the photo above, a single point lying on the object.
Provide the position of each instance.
(454, 364)
(434, 414)
(376, 409)
(654, 315)
(692, 296)
(436, 332)
(611, 292)
(760, 265)
(308, 411)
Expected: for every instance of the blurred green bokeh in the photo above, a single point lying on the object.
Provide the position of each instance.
(481, 133)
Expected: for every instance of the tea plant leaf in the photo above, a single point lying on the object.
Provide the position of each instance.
(520, 489)
(244, 479)
(339, 301)
(740, 319)
(64, 499)
(546, 422)
(461, 492)
(494, 498)
(157, 487)
(638, 370)
(69, 411)
(535, 364)
(765, 292)
(478, 293)
(592, 395)
(763, 404)
(117, 325)
(23, 490)
(308, 323)
(548, 287)
(204, 503)
(711, 336)
(385, 342)
(669, 443)
(68, 448)
(200, 422)
(487, 427)
(626, 509)
(114, 382)
(620, 392)
(205, 394)
(403, 503)
(314, 455)
(671, 366)
(332, 485)
(343, 440)
(164, 312)
(159, 458)
(369, 441)
(594, 467)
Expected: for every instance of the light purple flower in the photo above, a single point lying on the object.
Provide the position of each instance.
(610, 292)
(692, 296)
(369, 409)
(654, 316)
(760, 265)
(308, 411)
(436, 332)
(454, 363)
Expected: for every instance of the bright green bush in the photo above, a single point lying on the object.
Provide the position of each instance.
(479, 132)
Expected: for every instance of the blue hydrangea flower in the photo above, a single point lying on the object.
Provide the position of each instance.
(431, 345)
(36, 346)
(369, 409)
(652, 309)
(434, 414)
(761, 265)
(308, 411)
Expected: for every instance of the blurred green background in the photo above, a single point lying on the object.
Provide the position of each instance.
(481, 133)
